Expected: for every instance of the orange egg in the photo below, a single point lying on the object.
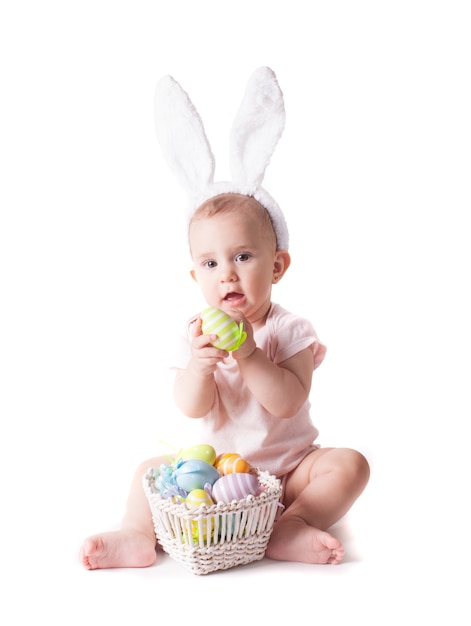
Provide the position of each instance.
(230, 463)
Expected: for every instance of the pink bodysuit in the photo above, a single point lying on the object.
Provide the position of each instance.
(237, 422)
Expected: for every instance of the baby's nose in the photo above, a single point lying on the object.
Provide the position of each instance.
(227, 274)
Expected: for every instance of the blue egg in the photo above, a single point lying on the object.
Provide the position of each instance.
(195, 474)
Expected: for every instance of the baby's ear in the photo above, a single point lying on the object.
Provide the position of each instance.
(182, 137)
(280, 265)
(193, 275)
(257, 127)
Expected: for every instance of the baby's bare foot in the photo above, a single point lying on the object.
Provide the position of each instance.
(121, 548)
(294, 540)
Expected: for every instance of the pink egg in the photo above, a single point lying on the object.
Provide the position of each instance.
(235, 486)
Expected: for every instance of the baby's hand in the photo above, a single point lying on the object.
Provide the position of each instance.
(204, 356)
(249, 345)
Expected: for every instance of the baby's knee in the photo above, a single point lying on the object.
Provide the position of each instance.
(358, 467)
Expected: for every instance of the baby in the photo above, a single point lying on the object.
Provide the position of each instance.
(255, 400)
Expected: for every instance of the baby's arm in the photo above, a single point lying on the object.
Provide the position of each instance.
(282, 389)
(195, 387)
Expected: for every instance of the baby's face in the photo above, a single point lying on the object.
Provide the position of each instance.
(234, 261)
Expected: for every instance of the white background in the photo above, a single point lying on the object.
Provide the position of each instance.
(373, 175)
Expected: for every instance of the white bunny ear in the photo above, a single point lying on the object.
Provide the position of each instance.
(257, 128)
(258, 125)
(182, 137)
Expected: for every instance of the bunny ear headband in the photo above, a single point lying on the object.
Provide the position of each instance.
(256, 129)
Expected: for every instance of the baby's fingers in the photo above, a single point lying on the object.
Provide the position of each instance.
(196, 327)
(202, 341)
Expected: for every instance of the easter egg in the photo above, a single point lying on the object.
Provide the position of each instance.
(230, 334)
(192, 530)
(235, 487)
(203, 452)
(194, 499)
(230, 462)
(195, 474)
(197, 497)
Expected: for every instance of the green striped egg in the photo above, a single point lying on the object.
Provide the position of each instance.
(230, 334)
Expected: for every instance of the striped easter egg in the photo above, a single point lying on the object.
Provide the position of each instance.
(197, 497)
(231, 462)
(230, 334)
(235, 487)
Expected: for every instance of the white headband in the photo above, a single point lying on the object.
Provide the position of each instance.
(256, 129)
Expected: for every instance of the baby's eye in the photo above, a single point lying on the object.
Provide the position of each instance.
(210, 264)
(243, 256)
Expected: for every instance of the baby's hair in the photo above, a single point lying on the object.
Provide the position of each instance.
(234, 202)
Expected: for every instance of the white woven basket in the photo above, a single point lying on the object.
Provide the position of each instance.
(216, 537)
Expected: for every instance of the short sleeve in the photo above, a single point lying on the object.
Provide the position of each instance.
(182, 353)
(291, 334)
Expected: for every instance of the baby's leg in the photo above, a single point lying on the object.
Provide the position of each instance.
(134, 544)
(318, 493)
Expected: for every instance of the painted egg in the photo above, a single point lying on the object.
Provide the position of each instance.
(192, 530)
(195, 528)
(235, 487)
(230, 462)
(203, 452)
(197, 497)
(195, 474)
(230, 334)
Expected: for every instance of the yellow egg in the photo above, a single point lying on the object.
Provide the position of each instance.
(230, 334)
(231, 462)
(197, 497)
(192, 531)
(201, 452)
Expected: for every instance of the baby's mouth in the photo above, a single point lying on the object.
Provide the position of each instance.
(233, 296)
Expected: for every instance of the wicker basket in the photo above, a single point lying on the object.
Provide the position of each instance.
(217, 537)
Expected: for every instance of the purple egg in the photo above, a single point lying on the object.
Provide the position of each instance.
(235, 487)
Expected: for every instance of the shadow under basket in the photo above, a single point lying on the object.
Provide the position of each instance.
(216, 537)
